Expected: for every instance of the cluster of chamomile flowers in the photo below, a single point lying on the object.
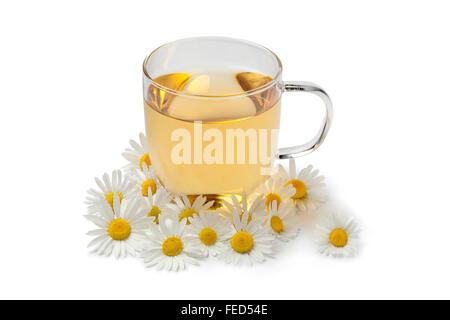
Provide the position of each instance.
(135, 215)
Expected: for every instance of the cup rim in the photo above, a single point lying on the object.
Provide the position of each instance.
(257, 90)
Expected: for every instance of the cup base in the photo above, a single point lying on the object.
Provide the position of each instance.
(217, 198)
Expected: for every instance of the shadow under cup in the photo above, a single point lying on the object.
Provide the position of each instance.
(212, 114)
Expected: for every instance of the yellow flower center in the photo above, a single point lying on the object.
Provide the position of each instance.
(208, 236)
(155, 212)
(242, 242)
(119, 229)
(300, 188)
(148, 183)
(338, 238)
(110, 197)
(272, 197)
(172, 246)
(276, 223)
(145, 158)
(187, 213)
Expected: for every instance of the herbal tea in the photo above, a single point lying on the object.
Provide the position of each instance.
(212, 132)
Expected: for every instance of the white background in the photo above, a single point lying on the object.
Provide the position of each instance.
(70, 95)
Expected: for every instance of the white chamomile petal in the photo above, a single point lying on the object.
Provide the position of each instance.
(157, 204)
(274, 188)
(251, 241)
(209, 232)
(118, 185)
(118, 233)
(145, 180)
(183, 208)
(282, 221)
(252, 206)
(308, 185)
(169, 247)
(337, 235)
(138, 155)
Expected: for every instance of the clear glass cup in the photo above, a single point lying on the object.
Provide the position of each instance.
(212, 114)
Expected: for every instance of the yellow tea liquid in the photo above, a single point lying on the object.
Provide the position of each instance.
(218, 100)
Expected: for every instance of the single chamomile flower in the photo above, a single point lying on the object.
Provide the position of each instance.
(250, 242)
(309, 186)
(273, 189)
(253, 207)
(184, 209)
(282, 221)
(138, 156)
(168, 247)
(119, 185)
(146, 180)
(209, 232)
(121, 230)
(157, 204)
(337, 235)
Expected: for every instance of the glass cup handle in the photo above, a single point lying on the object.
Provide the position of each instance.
(301, 150)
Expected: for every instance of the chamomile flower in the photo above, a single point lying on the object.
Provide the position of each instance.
(282, 221)
(250, 242)
(119, 185)
(209, 232)
(146, 180)
(309, 187)
(121, 228)
(184, 209)
(167, 246)
(138, 156)
(337, 235)
(273, 189)
(157, 204)
(253, 207)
